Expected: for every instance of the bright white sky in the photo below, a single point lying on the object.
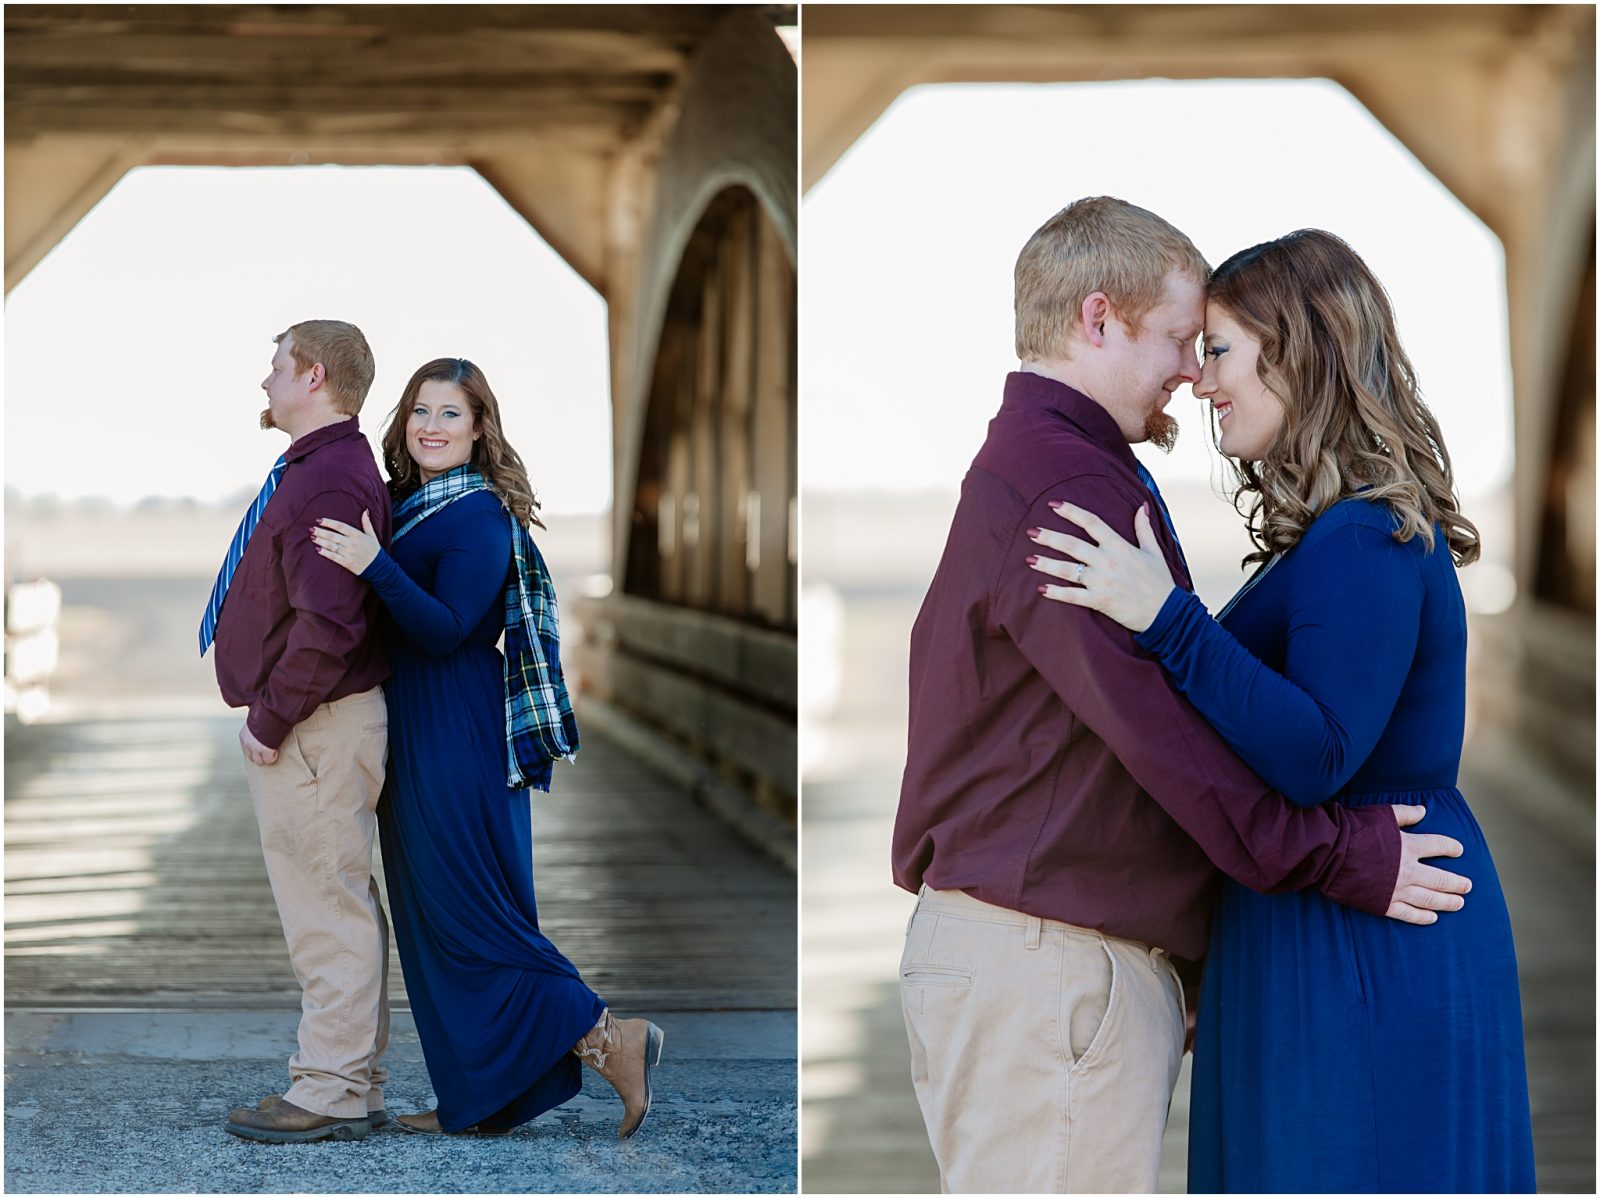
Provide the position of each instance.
(908, 246)
(135, 351)
(147, 330)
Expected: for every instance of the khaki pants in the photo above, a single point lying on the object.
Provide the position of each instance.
(1043, 1055)
(316, 807)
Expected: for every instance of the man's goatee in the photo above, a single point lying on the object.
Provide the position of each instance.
(1161, 431)
(267, 422)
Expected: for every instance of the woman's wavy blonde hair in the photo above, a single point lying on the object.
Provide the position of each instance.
(1354, 419)
(491, 454)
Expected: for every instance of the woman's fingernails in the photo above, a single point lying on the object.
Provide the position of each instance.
(1044, 590)
(1032, 559)
(1033, 532)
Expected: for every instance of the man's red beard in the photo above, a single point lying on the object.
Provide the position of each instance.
(266, 419)
(1161, 431)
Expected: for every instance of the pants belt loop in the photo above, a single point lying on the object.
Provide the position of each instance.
(1031, 941)
(915, 907)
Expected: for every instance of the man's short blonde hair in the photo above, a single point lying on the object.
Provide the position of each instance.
(345, 356)
(1095, 244)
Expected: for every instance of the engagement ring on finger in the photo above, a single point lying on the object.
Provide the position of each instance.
(1078, 577)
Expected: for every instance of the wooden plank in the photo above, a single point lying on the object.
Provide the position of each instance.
(757, 662)
(1087, 28)
(310, 21)
(773, 432)
(727, 726)
(475, 93)
(43, 118)
(679, 398)
(369, 60)
(702, 533)
(636, 882)
(733, 437)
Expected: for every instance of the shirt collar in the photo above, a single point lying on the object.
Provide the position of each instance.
(316, 439)
(1026, 390)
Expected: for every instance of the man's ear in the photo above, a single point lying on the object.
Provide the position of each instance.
(1092, 316)
(317, 376)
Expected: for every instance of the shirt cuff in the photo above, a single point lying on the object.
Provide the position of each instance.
(1371, 864)
(1168, 631)
(269, 729)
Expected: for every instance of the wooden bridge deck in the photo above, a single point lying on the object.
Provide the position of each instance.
(133, 878)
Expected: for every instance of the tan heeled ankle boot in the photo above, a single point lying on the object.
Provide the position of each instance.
(427, 1124)
(624, 1051)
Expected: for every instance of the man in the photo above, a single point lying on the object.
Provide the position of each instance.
(295, 646)
(1063, 805)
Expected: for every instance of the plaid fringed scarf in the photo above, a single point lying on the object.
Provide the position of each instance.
(539, 723)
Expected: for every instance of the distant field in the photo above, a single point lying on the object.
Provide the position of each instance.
(134, 584)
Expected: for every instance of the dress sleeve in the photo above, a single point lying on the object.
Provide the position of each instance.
(468, 580)
(1121, 694)
(1352, 626)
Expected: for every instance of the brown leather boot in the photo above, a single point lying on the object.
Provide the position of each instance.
(375, 1119)
(285, 1123)
(624, 1051)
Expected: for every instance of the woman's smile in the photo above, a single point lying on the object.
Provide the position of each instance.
(441, 428)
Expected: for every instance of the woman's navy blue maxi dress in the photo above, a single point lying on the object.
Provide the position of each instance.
(497, 1007)
(1338, 1051)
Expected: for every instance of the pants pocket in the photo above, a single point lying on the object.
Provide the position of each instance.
(303, 749)
(1091, 993)
(924, 974)
(926, 969)
(928, 959)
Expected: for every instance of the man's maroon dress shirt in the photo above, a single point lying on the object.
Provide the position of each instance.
(296, 629)
(1052, 769)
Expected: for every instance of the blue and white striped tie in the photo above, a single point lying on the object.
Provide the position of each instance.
(241, 538)
(1149, 482)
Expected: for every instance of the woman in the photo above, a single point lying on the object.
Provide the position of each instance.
(1335, 1051)
(503, 1017)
